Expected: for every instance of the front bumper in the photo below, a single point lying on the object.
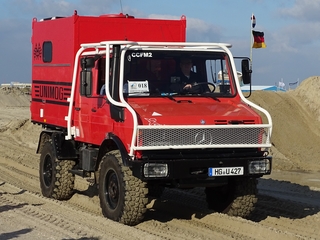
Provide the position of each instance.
(197, 169)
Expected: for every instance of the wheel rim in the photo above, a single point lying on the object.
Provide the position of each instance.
(112, 189)
(47, 171)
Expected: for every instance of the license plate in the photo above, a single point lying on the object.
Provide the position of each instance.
(225, 171)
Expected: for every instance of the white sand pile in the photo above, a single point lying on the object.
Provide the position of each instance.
(14, 97)
(296, 130)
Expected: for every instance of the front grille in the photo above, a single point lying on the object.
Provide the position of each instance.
(227, 136)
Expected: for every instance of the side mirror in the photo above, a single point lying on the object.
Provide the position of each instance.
(246, 71)
(86, 83)
(86, 76)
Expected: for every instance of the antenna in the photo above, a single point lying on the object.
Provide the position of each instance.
(121, 6)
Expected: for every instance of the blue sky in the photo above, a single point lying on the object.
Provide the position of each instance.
(291, 28)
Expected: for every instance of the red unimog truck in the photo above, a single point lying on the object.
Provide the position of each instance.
(147, 130)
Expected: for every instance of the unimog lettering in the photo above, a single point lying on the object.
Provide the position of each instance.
(51, 92)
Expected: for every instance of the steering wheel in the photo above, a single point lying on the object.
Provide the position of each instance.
(211, 86)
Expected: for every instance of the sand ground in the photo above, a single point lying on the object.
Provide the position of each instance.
(288, 205)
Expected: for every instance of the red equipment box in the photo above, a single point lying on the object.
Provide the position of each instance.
(62, 36)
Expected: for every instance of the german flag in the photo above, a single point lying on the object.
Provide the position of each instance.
(258, 40)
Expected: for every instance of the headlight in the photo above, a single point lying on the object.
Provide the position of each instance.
(155, 170)
(259, 166)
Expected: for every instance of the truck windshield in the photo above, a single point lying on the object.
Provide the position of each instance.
(168, 73)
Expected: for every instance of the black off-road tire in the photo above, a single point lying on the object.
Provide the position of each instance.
(123, 197)
(55, 179)
(237, 198)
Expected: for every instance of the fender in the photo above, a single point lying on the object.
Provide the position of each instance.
(64, 149)
(113, 142)
(44, 137)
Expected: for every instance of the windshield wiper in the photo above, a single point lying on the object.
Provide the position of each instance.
(211, 96)
(169, 95)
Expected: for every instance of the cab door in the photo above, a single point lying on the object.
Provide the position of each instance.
(101, 123)
(83, 99)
